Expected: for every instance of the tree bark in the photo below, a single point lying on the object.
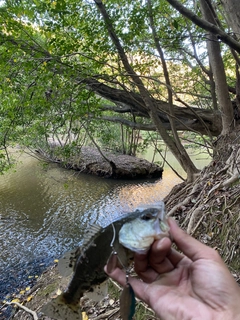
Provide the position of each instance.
(218, 70)
(203, 121)
(232, 9)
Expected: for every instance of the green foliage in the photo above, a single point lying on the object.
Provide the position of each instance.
(49, 47)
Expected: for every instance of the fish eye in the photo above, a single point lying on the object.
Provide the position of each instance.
(147, 216)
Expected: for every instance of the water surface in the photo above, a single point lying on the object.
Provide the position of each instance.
(45, 209)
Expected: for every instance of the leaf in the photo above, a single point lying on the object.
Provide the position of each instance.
(29, 298)
(175, 24)
(84, 316)
(28, 288)
(15, 300)
(59, 291)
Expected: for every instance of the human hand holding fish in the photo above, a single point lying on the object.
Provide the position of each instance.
(116, 243)
(192, 285)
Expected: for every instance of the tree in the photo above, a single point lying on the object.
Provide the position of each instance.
(231, 8)
(217, 66)
(66, 63)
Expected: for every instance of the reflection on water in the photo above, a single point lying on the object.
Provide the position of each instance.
(44, 209)
(200, 158)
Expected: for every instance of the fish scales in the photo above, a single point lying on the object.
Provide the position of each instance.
(89, 260)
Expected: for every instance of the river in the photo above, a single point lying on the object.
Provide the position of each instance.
(45, 209)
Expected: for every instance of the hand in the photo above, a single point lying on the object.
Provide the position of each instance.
(196, 285)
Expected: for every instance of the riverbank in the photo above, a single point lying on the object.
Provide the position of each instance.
(208, 208)
(50, 284)
(218, 228)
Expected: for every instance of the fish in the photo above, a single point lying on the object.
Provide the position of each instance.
(133, 232)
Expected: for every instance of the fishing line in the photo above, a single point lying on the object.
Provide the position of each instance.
(127, 297)
(114, 236)
(114, 252)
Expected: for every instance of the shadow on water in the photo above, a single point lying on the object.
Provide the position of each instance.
(44, 210)
(17, 277)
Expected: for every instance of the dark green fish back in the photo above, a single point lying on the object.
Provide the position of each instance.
(98, 247)
(67, 263)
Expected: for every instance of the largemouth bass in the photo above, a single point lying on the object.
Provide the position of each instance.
(134, 232)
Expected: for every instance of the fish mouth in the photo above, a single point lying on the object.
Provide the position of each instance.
(139, 234)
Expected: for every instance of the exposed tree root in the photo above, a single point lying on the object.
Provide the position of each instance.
(209, 207)
(106, 315)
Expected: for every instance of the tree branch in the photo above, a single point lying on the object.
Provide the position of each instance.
(132, 102)
(33, 313)
(221, 35)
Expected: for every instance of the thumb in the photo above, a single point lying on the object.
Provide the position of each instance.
(191, 247)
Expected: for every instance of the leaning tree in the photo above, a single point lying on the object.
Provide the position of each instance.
(151, 65)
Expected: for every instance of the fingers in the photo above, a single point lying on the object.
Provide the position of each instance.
(159, 260)
(159, 251)
(144, 271)
(112, 262)
(176, 257)
(162, 259)
(191, 247)
(117, 274)
(139, 286)
(154, 258)
(143, 290)
(159, 256)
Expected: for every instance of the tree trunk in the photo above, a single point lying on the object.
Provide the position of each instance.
(182, 154)
(149, 105)
(217, 66)
(232, 9)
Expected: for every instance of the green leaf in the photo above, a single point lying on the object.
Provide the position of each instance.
(175, 24)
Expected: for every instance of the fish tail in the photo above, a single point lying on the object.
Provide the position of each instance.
(58, 309)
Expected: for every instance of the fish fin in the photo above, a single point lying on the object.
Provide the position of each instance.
(90, 233)
(98, 292)
(58, 309)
